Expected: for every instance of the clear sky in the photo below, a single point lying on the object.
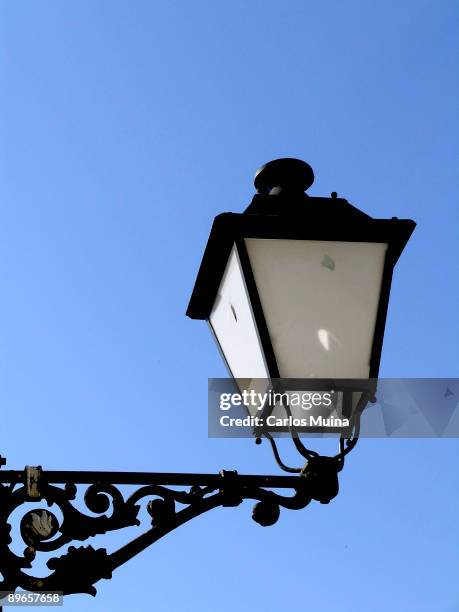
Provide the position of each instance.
(125, 128)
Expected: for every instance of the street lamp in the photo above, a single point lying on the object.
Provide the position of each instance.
(295, 287)
(298, 286)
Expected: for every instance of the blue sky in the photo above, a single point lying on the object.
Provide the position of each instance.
(125, 128)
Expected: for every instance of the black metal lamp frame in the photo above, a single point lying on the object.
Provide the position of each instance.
(280, 186)
(281, 210)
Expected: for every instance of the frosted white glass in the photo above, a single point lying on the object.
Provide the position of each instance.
(233, 324)
(320, 300)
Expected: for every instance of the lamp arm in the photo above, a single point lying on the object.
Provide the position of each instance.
(77, 569)
(346, 442)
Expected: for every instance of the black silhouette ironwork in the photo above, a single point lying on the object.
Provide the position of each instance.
(77, 569)
(280, 209)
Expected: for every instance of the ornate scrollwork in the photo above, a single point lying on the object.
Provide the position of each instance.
(77, 569)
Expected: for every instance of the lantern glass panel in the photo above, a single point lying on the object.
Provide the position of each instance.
(233, 324)
(320, 301)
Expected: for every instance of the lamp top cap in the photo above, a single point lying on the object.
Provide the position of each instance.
(286, 173)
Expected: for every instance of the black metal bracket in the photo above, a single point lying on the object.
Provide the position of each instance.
(77, 569)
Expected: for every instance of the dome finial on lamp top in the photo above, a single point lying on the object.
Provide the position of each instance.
(284, 175)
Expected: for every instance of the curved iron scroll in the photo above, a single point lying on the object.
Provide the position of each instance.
(79, 568)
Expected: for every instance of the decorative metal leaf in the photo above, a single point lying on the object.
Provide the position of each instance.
(42, 524)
